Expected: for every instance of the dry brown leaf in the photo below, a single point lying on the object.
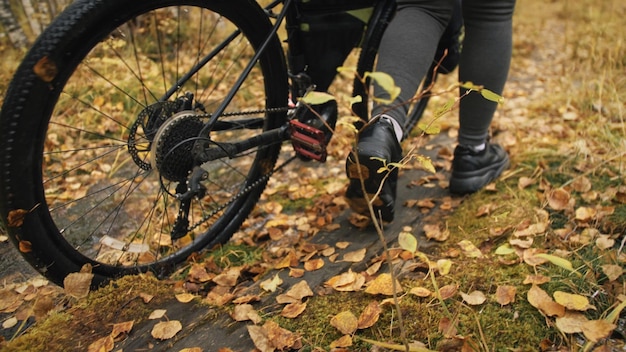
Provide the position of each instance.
(198, 273)
(572, 301)
(247, 299)
(157, 314)
(243, 312)
(259, 337)
(585, 214)
(469, 249)
(314, 264)
(596, 330)
(9, 323)
(383, 285)
(369, 316)
(228, 278)
(165, 330)
(185, 297)
(539, 299)
(15, 218)
(433, 232)
(355, 256)
(448, 291)
(505, 294)
(121, 329)
(345, 322)
(281, 339)
(474, 298)
(581, 184)
(605, 242)
(46, 69)
(293, 310)
(524, 182)
(272, 284)
(346, 282)
(447, 327)
(146, 298)
(536, 279)
(420, 292)
(530, 258)
(342, 245)
(558, 199)
(104, 344)
(199, 349)
(571, 322)
(613, 272)
(25, 246)
(77, 285)
(342, 342)
(296, 272)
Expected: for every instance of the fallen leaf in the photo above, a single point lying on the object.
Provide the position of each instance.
(433, 232)
(345, 322)
(46, 69)
(165, 330)
(613, 272)
(474, 298)
(447, 327)
(77, 285)
(25, 246)
(15, 218)
(407, 241)
(444, 266)
(313, 264)
(571, 322)
(243, 312)
(346, 282)
(281, 339)
(104, 344)
(448, 291)
(539, 299)
(383, 285)
(260, 339)
(596, 330)
(121, 329)
(572, 301)
(9, 323)
(536, 279)
(228, 278)
(157, 314)
(420, 292)
(355, 256)
(343, 341)
(558, 199)
(605, 242)
(469, 249)
(272, 284)
(558, 261)
(146, 298)
(293, 310)
(505, 294)
(585, 214)
(369, 316)
(185, 297)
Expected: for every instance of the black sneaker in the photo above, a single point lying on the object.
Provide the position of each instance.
(377, 141)
(472, 170)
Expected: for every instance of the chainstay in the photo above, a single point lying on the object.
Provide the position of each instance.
(261, 180)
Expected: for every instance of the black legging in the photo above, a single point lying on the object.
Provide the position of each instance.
(409, 44)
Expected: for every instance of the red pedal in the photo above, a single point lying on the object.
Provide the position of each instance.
(308, 141)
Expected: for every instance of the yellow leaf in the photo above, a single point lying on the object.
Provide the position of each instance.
(571, 322)
(317, 98)
(469, 249)
(184, 297)
(407, 241)
(355, 256)
(444, 266)
(558, 261)
(383, 285)
(572, 301)
(343, 341)
(505, 249)
(612, 271)
(104, 344)
(386, 82)
(345, 322)
(539, 299)
(272, 284)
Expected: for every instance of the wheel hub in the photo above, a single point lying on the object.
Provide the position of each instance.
(171, 148)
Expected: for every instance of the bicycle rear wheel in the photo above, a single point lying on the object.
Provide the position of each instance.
(113, 91)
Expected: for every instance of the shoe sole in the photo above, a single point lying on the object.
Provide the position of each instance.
(470, 182)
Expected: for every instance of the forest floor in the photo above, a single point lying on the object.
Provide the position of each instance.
(533, 262)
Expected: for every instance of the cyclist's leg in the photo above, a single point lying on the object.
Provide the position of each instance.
(484, 61)
(408, 47)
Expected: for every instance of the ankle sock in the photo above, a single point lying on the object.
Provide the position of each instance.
(396, 126)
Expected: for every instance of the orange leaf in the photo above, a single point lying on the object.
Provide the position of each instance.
(355, 256)
(383, 285)
(25, 246)
(313, 264)
(292, 310)
(120, 329)
(46, 69)
(369, 316)
(539, 299)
